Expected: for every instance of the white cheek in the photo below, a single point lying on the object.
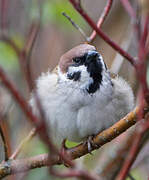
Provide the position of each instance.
(85, 79)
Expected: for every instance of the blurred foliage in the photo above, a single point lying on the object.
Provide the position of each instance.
(8, 58)
(41, 173)
(52, 12)
(136, 175)
(39, 147)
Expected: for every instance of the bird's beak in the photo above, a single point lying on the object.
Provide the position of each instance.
(91, 55)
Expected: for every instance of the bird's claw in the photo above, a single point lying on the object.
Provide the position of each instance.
(89, 143)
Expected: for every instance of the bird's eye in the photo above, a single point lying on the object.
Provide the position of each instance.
(76, 60)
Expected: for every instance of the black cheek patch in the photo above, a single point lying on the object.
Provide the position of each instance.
(74, 76)
(95, 70)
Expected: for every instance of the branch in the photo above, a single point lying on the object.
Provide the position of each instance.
(102, 19)
(115, 46)
(107, 135)
(99, 140)
(23, 165)
(129, 9)
(23, 143)
(110, 161)
(144, 95)
(37, 122)
(87, 39)
(2, 134)
(3, 13)
(142, 129)
(26, 53)
(11, 43)
(80, 174)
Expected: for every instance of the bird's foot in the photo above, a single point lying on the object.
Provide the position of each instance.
(89, 143)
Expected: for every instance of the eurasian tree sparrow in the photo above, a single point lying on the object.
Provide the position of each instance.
(81, 99)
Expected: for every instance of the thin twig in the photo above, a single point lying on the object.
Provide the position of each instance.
(118, 60)
(133, 15)
(11, 43)
(131, 177)
(4, 142)
(77, 27)
(23, 143)
(101, 19)
(3, 13)
(140, 66)
(145, 31)
(115, 46)
(133, 152)
(111, 160)
(27, 51)
(144, 95)
(36, 121)
(40, 125)
(129, 8)
(80, 174)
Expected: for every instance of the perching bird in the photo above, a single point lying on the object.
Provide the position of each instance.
(81, 99)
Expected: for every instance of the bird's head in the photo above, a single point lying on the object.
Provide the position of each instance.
(83, 65)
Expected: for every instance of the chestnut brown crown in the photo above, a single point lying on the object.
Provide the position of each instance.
(67, 59)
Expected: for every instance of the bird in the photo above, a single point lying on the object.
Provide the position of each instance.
(80, 98)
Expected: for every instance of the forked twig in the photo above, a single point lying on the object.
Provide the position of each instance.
(23, 143)
(101, 33)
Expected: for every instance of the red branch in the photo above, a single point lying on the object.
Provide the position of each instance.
(143, 127)
(2, 134)
(39, 123)
(129, 8)
(141, 67)
(115, 46)
(102, 19)
(145, 32)
(11, 43)
(25, 55)
(3, 9)
(24, 58)
(41, 127)
(136, 25)
(81, 174)
(141, 74)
